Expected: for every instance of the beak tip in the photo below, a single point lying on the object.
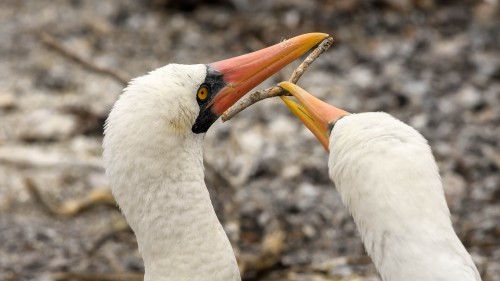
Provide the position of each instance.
(317, 35)
(286, 85)
(244, 72)
(322, 35)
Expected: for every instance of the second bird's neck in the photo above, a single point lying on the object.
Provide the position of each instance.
(389, 181)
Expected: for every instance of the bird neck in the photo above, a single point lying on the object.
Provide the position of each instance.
(389, 181)
(160, 189)
(180, 237)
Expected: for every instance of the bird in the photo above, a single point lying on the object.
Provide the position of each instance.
(389, 181)
(153, 157)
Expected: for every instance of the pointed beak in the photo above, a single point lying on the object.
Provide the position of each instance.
(314, 113)
(243, 73)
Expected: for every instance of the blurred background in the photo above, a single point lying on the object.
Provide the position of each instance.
(433, 64)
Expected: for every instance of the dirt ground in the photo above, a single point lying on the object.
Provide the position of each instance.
(433, 64)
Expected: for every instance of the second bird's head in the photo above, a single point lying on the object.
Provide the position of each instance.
(318, 116)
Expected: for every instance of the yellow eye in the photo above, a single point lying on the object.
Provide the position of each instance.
(202, 93)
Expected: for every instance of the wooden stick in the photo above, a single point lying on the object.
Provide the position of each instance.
(71, 207)
(276, 90)
(84, 276)
(52, 43)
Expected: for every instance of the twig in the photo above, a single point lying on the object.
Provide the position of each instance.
(276, 90)
(268, 258)
(71, 207)
(131, 276)
(120, 77)
(118, 228)
(52, 42)
(37, 196)
(26, 157)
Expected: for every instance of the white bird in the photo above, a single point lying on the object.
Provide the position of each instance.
(389, 181)
(153, 155)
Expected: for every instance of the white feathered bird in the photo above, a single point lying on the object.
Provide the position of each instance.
(389, 181)
(153, 154)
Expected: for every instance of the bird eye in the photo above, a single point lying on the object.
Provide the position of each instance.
(202, 93)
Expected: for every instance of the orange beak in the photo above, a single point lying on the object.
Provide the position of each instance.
(243, 73)
(317, 115)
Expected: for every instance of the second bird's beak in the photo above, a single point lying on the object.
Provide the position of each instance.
(314, 113)
(232, 78)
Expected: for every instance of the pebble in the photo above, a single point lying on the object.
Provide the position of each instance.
(442, 57)
(361, 76)
(7, 101)
(470, 97)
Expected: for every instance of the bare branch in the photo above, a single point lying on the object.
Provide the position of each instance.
(71, 207)
(52, 43)
(276, 90)
(84, 276)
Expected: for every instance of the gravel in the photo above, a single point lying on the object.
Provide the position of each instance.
(432, 64)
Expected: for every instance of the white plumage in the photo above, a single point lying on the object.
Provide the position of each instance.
(388, 179)
(153, 154)
(155, 165)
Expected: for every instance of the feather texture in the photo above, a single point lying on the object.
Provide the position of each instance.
(388, 179)
(155, 165)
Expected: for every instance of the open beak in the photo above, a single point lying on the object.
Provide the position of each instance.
(314, 113)
(243, 73)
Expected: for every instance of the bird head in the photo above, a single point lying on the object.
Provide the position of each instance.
(318, 116)
(228, 80)
(190, 98)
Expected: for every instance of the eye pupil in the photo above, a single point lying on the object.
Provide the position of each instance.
(202, 93)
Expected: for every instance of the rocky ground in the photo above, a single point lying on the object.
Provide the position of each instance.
(433, 64)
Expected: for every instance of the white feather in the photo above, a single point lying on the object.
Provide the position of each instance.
(389, 181)
(155, 165)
